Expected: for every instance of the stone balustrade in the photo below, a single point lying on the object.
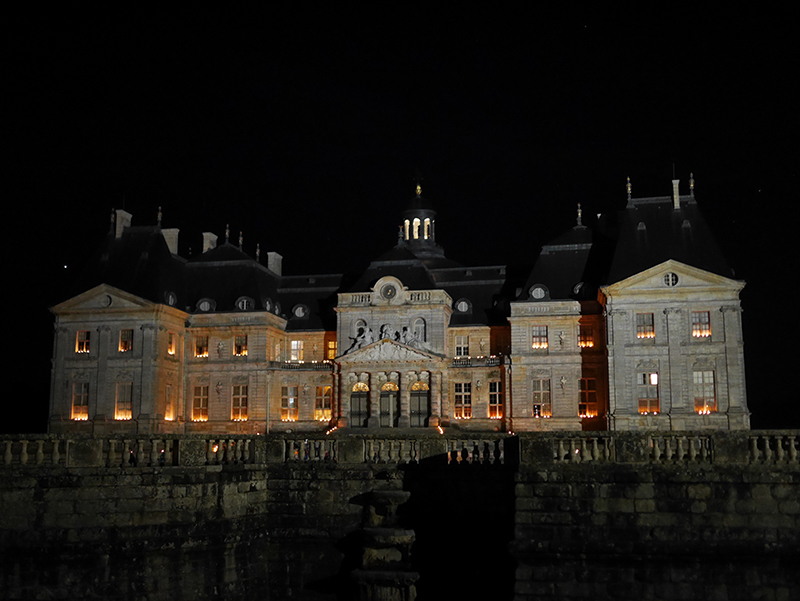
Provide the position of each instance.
(489, 361)
(453, 447)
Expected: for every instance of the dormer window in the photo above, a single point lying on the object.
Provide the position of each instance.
(245, 304)
(205, 305)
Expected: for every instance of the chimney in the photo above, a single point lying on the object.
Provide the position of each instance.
(123, 220)
(209, 241)
(171, 237)
(274, 261)
(676, 197)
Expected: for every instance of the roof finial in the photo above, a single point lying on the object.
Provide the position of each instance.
(113, 221)
(158, 219)
(258, 252)
(579, 215)
(227, 232)
(691, 185)
(628, 187)
(240, 239)
(418, 179)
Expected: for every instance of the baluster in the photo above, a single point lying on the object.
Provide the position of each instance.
(501, 447)
(370, 451)
(779, 447)
(7, 454)
(392, 458)
(23, 455)
(573, 456)
(210, 451)
(595, 450)
(169, 450)
(139, 452)
(656, 444)
(39, 452)
(153, 452)
(792, 450)
(585, 456)
(681, 448)
(561, 451)
(127, 454)
(754, 452)
(692, 448)
(705, 449)
(55, 457)
(767, 449)
(246, 452)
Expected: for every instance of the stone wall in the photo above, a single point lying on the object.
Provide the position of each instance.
(563, 516)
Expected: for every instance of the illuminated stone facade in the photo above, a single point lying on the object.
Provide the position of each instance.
(633, 323)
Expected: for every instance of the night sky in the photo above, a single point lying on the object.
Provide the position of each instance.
(306, 136)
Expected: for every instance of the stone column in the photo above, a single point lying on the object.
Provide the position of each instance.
(436, 398)
(404, 420)
(374, 420)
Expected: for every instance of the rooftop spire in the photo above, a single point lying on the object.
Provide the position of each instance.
(691, 185)
(258, 252)
(580, 224)
(158, 217)
(628, 188)
(227, 232)
(241, 238)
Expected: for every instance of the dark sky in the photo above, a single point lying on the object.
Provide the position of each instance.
(304, 131)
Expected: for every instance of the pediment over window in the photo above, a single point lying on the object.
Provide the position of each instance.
(387, 350)
(100, 298)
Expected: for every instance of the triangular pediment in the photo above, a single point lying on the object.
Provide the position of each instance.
(387, 350)
(102, 297)
(673, 276)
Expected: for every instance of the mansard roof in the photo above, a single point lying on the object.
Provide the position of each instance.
(650, 231)
(138, 262)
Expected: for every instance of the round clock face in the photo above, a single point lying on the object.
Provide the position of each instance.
(388, 292)
(537, 292)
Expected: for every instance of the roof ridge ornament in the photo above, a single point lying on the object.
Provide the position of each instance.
(241, 238)
(158, 217)
(628, 188)
(691, 184)
(580, 224)
(227, 232)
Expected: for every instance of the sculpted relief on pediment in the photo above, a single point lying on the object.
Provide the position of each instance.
(386, 350)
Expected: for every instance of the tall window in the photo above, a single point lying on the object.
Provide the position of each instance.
(427, 229)
(389, 405)
(239, 403)
(701, 324)
(587, 404)
(171, 343)
(331, 350)
(359, 405)
(420, 409)
(322, 404)
(495, 400)
(201, 346)
(647, 387)
(297, 350)
(406, 225)
(539, 337)
(416, 227)
(645, 325)
(240, 345)
(289, 404)
(125, 341)
(705, 399)
(123, 409)
(80, 401)
(169, 403)
(541, 398)
(200, 404)
(585, 336)
(462, 404)
(82, 341)
(462, 346)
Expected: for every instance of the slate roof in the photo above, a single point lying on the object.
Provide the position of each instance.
(650, 231)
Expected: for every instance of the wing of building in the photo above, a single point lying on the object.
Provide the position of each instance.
(632, 324)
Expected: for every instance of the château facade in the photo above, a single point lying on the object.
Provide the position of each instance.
(631, 324)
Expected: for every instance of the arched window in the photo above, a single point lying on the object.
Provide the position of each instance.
(420, 406)
(416, 228)
(390, 405)
(427, 229)
(420, 331)
(406, 228)
(359, 405)
(359, 328)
